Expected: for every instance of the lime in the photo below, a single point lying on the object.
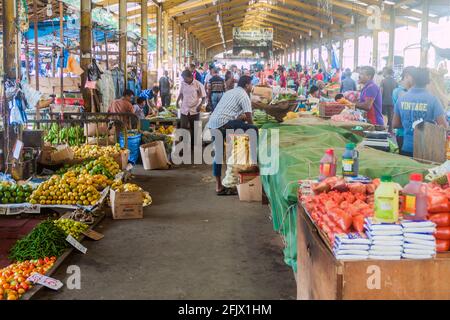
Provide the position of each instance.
(7, 194)
(4, 200)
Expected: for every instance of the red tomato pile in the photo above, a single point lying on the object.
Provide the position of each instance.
(340, 207)
(439, 213)
(13, 278)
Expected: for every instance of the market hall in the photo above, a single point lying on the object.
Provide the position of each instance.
(209, 149)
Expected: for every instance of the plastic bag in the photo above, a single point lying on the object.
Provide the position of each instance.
(442, 233)
(437, 201)
(440, 219)
(358, 223)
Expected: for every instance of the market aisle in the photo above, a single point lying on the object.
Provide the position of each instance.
(190, 245)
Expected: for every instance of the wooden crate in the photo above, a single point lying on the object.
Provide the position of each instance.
(320, 276)
(430, 142)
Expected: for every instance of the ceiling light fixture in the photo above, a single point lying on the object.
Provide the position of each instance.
(310, 32)
(352, 21)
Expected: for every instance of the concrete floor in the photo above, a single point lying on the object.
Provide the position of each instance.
(191, 244)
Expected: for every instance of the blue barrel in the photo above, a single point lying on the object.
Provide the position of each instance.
(133, 145)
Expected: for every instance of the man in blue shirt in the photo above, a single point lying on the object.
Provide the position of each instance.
(417, 104)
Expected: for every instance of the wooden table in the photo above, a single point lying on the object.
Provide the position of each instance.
(321, 276)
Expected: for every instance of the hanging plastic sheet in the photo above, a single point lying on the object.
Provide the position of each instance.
(106, 88)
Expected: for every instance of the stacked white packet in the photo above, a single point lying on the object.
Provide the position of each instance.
(420, 242)
(351, 246)
(386, 239)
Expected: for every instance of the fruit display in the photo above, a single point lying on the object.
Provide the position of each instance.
(290, 115)
(82, 216)
(168, 130)
(89, 151)
(260, 118)
(45, 240)
(131, 187)
(70, 189)
(13, 278)
(148, 137)
(73, 135)
(74, 228)
(104, 165)
(14, 193)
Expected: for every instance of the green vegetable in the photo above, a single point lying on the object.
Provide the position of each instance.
(45, 240)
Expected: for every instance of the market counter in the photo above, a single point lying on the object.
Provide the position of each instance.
(321, 276)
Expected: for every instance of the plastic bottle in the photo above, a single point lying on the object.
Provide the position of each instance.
(350, 165)
(327, 165)
(415, 198)
(386, 201)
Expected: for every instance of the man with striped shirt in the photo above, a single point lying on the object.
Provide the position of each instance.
(234, 111)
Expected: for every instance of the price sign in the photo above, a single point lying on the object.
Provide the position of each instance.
(45, 281)
(94, 235)
(76, 244)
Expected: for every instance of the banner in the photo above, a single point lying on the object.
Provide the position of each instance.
(256, 40)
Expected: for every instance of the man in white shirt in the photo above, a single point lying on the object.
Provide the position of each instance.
(234, 105)
(192, 96)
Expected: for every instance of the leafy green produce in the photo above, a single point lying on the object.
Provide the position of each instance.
(73, 135)
(45, 240)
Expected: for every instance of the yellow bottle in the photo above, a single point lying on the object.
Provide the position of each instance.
(386, 201)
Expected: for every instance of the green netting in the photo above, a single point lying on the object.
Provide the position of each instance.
(300, 150)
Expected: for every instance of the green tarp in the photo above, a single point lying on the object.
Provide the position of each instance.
(300, 150)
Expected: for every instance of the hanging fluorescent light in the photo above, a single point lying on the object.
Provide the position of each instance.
(332, 21)
(301, 37)
(352, 21)
(310, 32)
(321, 34)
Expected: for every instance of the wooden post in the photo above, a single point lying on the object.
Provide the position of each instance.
(390, 61)
(312, 54)
(424, 33)
(174, 49)
(166, 40)
(180, 48)
(375, 49)
(36, 44)
(123, 38)
(330, 53)
(305, 49)
(341, 54)
(85, 48)
(356, 46)
(144, 48)
(61, 39)
(320, 54)
(158, 38)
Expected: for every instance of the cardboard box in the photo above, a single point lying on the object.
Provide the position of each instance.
(154, 156)
(46, 155)
(63, 153)
(250, 191)
(126, 205)
(245, 177)
(122, 158)
(90, 129)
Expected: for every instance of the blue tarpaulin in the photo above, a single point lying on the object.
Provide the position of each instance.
(49, 30)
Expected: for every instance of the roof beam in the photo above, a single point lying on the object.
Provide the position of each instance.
(183, 7)
(212, 9)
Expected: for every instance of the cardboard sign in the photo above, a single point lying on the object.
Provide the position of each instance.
(74, 242)
(17, 150)
(45, 281)
(94, 235)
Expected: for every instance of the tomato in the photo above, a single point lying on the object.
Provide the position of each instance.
(6, 286)
(442, 245)
(20, 279)
(21, 291)
(25, 286)
(442, 233)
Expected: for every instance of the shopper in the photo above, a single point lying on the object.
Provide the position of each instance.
(319, 76)
(233, 105)
(195, 74)
(192, 96)
(406, 83)
(388, 84)
(139, 108)
(229, 80)
(417, 104)
(215, 89)
(151, 97)
(165, 84)
(370, 97)
(348, 84)
(123, 105)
